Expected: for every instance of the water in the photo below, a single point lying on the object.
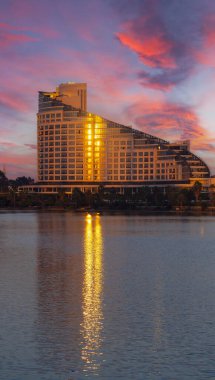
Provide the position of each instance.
(106, 297)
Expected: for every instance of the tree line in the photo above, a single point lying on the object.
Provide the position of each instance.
(146, 198)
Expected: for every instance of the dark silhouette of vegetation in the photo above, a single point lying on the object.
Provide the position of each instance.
(3, 182)
(22, 181)
(197, 188)
(211, 193)
(149, 199)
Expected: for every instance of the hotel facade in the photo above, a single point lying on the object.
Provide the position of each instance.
(79, 149)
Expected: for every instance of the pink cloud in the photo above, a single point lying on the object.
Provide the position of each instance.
(153, 49)
(206, 55)
(165, 59)
(17, 160)
(31, 146)
(8, 144)
(9, 27)
(10, 36)
(13, 102)
(6, 39)
(171, 122)
(154, 83)
(209, 29)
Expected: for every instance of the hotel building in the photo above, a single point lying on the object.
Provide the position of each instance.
(77, 148)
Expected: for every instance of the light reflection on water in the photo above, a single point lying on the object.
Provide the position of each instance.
(92, 325)
(106, 297)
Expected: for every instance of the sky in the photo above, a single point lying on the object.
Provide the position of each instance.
(149, 64)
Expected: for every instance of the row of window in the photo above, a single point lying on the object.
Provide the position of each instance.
(164, 164)
(77, 171)
(109, 178)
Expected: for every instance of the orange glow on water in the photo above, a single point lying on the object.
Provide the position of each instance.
(92, 324)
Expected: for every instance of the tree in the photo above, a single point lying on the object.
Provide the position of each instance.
(78, 197)
(3, 182)
(184, 197)
(212, 194)
(145, 193)
(158, 196)
(22, 181)
(197, 188)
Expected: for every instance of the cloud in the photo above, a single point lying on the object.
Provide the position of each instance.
(17, 159)
(31, 146)
(170, 38)
(7, 144)
(13, 101)
(154, 50)
(10, 35)
(208, 30)
(171, 122)
(206, 55)
(6, 39)
(4, 145)
(165, 80)
(134, 46)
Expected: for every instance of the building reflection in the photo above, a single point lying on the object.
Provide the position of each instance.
(92, 325)
(59, 292)
(69, 293)
(158, 313)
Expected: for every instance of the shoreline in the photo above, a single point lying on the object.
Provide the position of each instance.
(104, 211)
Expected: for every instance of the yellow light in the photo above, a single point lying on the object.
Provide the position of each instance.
(92, 325)
(89, 218)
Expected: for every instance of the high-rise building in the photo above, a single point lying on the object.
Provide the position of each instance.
(79, 149)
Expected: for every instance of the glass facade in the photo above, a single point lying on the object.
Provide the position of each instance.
(75, 146)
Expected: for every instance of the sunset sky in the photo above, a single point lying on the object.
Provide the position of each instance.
(147, 63)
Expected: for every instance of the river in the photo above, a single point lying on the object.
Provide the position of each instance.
(106, 297)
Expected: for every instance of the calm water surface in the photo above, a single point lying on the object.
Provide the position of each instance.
(106, 297)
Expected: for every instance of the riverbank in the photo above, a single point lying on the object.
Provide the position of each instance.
(191, 211)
